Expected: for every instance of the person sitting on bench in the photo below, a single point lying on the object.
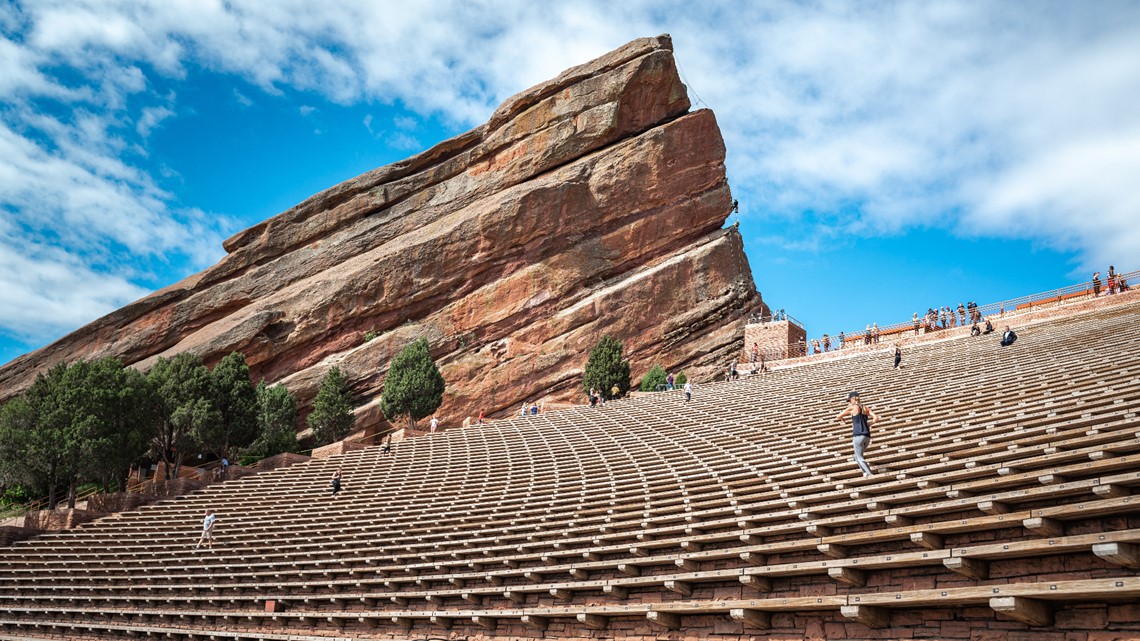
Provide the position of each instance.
(1008, 337)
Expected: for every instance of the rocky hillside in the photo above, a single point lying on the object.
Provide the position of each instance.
(592, 203)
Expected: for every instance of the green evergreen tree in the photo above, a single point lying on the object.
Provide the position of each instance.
(78, 422)
(181, 393)
(414, 387)
(332, 419)
(680, 379)
(65, 422)
(276, 421)
(606, 370)
(654, 377)
(49, 432)
(121, 405)
(17, 427)
(235, 398)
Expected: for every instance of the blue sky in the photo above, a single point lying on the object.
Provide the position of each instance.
(888, 157)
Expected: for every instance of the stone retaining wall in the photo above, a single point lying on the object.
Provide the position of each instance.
(119, 501)
(281, 460)
(9, 534)
(59, 519)
(174, 487)
(340, 447)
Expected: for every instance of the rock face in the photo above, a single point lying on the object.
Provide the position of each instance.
(592, 203)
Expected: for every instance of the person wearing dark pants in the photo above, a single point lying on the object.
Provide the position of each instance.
(1008, 337)
(862, 418)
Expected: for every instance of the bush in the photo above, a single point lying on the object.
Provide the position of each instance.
(680, 379)
(653, 378)
(13, 496)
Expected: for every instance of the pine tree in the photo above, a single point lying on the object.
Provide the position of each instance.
(653, 378)
(414, 387)
(276, 421)
(78, 422)
(606, 370)
(182, 393)
(17, 431)
(122, 404)
(235, 398)
(332, 418)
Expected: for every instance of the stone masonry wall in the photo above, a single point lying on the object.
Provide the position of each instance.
(60, 519)
(776, 340)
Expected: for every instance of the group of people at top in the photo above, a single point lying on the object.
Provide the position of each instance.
(945, 317)
(1116, 282)
(871, 336)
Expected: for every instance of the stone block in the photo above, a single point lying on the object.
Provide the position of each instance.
(1114, 635)
(1124, 613)
(775, 340)
(1082, 618)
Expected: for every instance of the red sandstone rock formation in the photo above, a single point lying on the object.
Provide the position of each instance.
(592, 203)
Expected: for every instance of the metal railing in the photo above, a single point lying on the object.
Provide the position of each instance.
(776, 316)
(41, 503)
(1000, 309)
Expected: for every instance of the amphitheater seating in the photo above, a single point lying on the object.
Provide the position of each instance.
(1005, 481)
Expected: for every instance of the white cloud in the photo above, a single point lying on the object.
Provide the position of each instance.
(92, 202)
(403, 141)
(151, 117)
(48, 291)
(406, 123)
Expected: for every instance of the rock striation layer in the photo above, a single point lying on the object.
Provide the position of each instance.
(592, 203)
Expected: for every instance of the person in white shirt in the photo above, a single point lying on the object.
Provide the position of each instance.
(207, 530)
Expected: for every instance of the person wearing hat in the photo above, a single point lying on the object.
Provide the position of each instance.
(862, 418)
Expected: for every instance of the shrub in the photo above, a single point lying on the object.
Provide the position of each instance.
(653, 378)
